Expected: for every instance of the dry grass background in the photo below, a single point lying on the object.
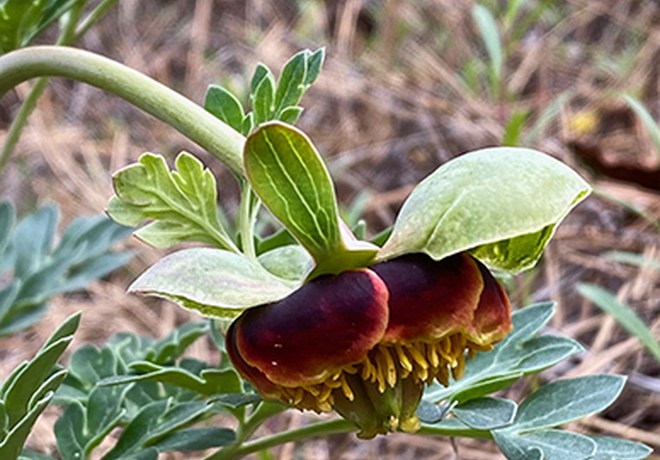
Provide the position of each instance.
(389, 107)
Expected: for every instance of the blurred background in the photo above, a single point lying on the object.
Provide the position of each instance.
(407, 85)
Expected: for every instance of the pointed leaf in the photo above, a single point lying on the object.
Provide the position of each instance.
(291, 179)
(193, 439)
(563, 401)
(608, 448)
(486, 413)
(545, 445)
(502, 204)
(224, 105)
(214, 282)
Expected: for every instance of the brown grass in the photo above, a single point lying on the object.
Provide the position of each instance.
(389, 107)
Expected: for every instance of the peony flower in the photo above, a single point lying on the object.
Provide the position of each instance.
(365, 342)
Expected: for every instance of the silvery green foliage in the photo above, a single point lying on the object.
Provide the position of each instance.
(35, 265)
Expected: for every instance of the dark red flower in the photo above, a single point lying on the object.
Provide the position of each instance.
(365, 342)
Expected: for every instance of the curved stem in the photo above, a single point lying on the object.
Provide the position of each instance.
(149, 95)
(309, 431)
(331, 427)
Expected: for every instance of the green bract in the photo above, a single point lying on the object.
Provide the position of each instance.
(214, 282)
(289, 176)
(501, 204)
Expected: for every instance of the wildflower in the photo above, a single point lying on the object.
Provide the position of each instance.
(365, 342)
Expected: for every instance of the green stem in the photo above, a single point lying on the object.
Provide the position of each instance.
(246, 220)
(93, 17)
(149, 95)
(331, 427)
(309, 431)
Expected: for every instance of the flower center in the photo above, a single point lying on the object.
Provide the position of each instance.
(385, 366)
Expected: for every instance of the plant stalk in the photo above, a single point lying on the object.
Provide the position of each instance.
(326, 428)
(149, 95)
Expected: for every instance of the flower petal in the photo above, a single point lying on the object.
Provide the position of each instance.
(492, 319)
(430, 299)
(311, 335)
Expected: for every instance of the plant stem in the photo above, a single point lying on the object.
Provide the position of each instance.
(67, 37)
(331, 427)
(309, 431)
(149, 95)
(246, 220)
(93, 17)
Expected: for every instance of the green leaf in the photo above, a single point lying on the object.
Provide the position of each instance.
(29, 390)
(262, 100)
(291, 85)
(194, 439)
(513, 128)
(154, 423)
(545, 445)
(182, 204)
(214, 282)
(290, 262)
(83, 427)
(27, 454)
(7, 218)
(563, 401)
(171, 347)
(501, 204)
(260, 73)
(632, 258)
(225, 106)
(608, 448)
(623, 314)
(520, 353)
(486, 413)
(289, 176)
(210, 381)
(291, 115)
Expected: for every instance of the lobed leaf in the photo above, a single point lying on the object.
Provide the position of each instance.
(182, 203)
(501, 204)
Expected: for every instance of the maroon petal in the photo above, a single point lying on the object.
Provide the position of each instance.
(492, 319)
(430, 299)
(326, 325)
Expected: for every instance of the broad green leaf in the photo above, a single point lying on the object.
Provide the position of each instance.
(224, 105)
(545, 445)
(486, 413)
(193, 439)
(291, 115)
(501, 204)
(214, 282)
(623, 314)
(289, 176)
(182, 203)
(608, 448)
(563, 401)
(290, 262)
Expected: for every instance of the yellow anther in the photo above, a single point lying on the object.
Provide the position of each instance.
(346, 389)
(403, 359)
